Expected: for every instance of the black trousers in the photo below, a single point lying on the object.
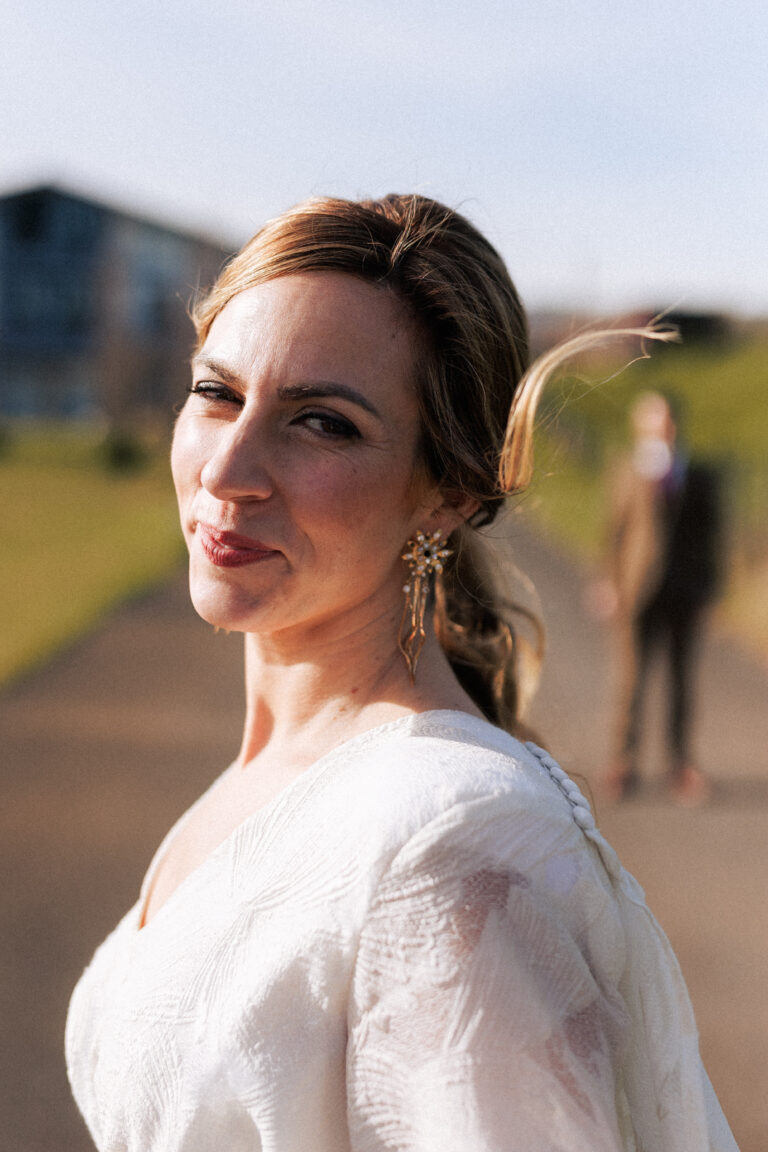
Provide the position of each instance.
(669, 628)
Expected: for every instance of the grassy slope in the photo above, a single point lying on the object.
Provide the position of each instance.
(724, 393)
(77, 539)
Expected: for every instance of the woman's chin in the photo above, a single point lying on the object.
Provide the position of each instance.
(227, 609)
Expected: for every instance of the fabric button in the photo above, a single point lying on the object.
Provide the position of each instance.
(583, 818)
(556, 771)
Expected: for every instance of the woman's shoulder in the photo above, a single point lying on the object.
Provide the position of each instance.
(435, 766)
(446, 753)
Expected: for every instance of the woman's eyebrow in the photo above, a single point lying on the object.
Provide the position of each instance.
(311, 389)
(226, 374)
(326, 388)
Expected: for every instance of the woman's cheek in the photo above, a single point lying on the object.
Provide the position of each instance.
(180, 451)
(190, 449)
(336, 490)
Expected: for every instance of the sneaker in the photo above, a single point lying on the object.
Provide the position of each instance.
(690, 787)
(620, 781)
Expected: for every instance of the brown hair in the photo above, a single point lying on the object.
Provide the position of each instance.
(477, 401)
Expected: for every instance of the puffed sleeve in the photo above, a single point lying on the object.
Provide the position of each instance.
(477, 1020)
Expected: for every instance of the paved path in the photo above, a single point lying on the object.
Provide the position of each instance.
(106, 746)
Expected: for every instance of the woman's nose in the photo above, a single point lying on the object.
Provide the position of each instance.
(237, 469)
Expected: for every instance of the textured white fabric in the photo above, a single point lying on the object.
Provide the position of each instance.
(422, 944)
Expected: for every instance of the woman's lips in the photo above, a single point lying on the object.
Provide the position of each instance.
(229, 550)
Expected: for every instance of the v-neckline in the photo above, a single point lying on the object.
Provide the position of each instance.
(299, 785)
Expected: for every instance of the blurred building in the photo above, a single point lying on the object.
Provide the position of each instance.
(93, 308)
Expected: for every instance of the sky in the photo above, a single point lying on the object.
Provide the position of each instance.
(615, 153)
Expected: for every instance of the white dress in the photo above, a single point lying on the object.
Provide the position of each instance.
(422, 944)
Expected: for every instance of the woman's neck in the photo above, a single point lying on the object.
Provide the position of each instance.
(303, 701)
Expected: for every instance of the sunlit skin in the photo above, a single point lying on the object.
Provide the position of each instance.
(651, 416)
(300, 440)
(267, 449)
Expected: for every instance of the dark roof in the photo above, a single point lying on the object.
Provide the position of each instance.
(59, 192)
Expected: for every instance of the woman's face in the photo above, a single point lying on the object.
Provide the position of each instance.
(295, 457)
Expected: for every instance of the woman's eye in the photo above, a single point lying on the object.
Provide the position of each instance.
(329, 425)
(211, 390)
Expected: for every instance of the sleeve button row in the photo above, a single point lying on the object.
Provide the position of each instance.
(583, 818)
(579, 805)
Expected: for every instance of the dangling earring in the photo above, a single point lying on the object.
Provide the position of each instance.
(425, 555)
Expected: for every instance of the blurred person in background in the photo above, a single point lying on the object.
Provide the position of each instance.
(664, 571)
(389, 924)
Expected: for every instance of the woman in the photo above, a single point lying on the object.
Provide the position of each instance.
(389, 924)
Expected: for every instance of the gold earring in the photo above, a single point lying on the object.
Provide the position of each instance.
(425, 555)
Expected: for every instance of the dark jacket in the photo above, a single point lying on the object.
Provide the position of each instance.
(665, 539)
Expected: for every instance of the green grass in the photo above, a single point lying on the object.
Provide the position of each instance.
(77, 539)
(722, 388)
(724, 395)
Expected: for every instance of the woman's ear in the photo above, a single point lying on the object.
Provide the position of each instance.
(453, 510)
